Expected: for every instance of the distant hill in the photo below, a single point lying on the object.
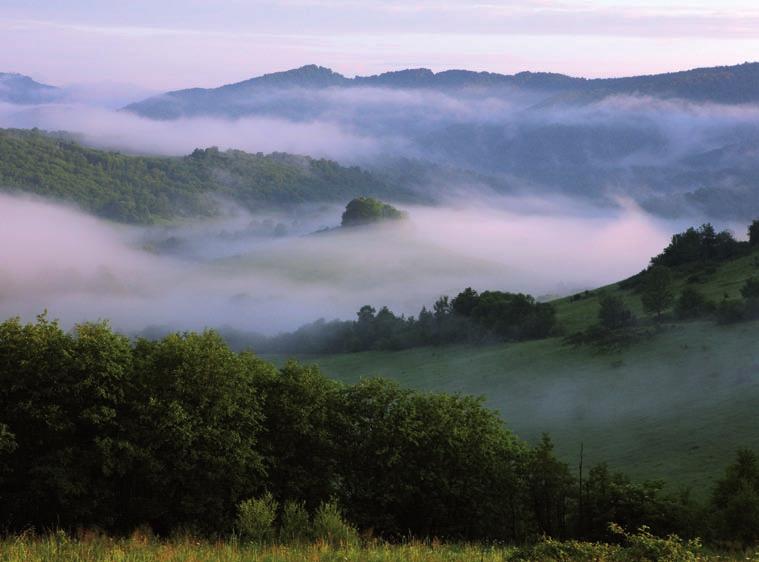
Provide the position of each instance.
(17, 88)
(143, 189)
(725, 84)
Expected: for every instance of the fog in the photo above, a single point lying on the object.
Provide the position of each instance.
(230, 272)
(675, 158)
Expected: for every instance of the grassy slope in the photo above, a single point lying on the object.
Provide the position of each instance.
(675, 406)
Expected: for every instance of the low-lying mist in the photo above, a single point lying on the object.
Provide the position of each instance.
(673, 157)
(269, 274)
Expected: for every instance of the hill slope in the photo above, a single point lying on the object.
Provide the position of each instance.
(144, 189)
(674, 406)
(17, 88)
(725, 84)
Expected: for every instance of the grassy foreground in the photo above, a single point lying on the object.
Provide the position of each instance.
(59, 547)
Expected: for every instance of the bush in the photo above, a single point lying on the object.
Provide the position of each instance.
(731, 311)
(255, 518)
(614, 313)
(296, 526)
(552, 550)
(692, 304)
(642, 545)
(750, 289)
(331, 528)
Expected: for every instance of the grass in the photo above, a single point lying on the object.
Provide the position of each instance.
(673, 407)
(58, 547)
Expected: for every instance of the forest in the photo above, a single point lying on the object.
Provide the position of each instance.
(150, 189)
(184, 434)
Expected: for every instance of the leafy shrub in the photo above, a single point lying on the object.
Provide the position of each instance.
(643, 545)
(296, 526)
(255, 518)
(692, 304)
(331, 528)
(614, 313)
(552, 550)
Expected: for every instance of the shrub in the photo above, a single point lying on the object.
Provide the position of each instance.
(750, 289)
(692, 304)
(642, 545)
(296, 526)
(731, 311)
(331, 528)
(255, 518)
(552, 550)
(614, 313)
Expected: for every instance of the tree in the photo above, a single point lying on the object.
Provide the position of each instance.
(614, 314)
(753, 233)
(657, 293)
(736, 499)
(366, 210)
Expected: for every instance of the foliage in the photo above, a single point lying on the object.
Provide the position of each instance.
(366, 210)
(750, 289)
(643, 545)
(701, 244)
(255, 518)
(657, 295)
(736, 500)
(331, 528)
(730, 311)
(753, 233)
(469, 317)
(178, 434)
(147, 189)
(692, 304)
(296, 523)
(94, 548)
(613, 313)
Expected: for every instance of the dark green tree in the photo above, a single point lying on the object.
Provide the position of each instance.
(613, 313)
(753, 233)
(657, 295)
(366, 210)
(735, 500)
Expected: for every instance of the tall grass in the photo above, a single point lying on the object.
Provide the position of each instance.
(94, 548)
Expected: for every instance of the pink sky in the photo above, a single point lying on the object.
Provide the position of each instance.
(165, 44)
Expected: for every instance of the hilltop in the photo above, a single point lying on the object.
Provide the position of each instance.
(21, 89)
(736, 84)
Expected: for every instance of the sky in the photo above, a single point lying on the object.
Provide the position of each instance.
(171, 44)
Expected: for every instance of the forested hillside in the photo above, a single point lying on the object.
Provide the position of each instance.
(146, 189)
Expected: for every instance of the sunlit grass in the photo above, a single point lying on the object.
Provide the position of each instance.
(94, 548)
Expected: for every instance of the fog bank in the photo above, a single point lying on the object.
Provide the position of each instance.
(227, 273)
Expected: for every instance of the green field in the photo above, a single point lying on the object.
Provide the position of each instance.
(674, 406)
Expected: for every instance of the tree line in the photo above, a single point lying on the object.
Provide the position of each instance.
(182, 434)
(469, 317)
